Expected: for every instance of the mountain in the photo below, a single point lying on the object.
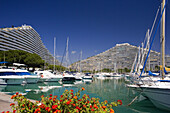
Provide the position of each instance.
(119, 57)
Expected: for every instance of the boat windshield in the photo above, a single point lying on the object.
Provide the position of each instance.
(23, 73)
(7, 73)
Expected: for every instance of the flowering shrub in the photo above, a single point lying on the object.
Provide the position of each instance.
(68, 102)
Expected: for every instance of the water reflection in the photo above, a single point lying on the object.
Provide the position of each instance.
(108, 89)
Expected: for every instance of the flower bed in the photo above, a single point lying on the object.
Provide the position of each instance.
(68, 102)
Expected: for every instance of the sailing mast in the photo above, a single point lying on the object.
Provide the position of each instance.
(67, 60)
(80, 60)
(54, 52)
(163, 39)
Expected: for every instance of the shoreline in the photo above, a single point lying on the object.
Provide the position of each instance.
(5, 101)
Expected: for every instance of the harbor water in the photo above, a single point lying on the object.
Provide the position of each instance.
(112, 89)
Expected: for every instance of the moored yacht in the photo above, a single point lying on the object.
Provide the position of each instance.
(99, 76)
(87, 76)
(46, 76)
(29, 78)
(116, 75)
(9, 77)
(68, 77)
(158, 91)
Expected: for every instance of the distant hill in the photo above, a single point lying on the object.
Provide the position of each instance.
(120, 57)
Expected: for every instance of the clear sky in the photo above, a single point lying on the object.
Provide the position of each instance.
(92, 26)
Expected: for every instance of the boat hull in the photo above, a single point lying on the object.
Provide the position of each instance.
(11, 81)
(30, 80)
(158, 96)
(51, 79)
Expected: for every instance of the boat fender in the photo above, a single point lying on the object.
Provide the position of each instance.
(63, 74)
(42, 76)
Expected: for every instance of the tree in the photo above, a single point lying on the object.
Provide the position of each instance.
(23, 57)
(57, 67)
(33, 60)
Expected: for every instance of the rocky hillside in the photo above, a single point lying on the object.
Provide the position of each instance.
(119, 57)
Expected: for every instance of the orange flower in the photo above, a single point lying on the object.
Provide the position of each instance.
(49, 109)
(17, 93)
(95, 106)
(112, 111)
(75, 97)
(105, 101)
(50, 98)
(23, 108)
(73, 104)
(13, 96)
(12, 104)
(103, 107)
(83, 88)
(56, 111)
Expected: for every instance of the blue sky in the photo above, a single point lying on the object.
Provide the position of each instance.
(92, 26)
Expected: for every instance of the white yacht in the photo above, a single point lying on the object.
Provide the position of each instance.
(116, 75)
(9, 77)
(68, 77)
(79, 76)
(99, 76)
(46, 76)
(87, 76)
(29, 78)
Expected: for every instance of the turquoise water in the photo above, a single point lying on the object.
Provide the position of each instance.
(109, 89)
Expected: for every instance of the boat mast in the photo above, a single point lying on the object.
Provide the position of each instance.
(67, 60)
(54, 53)
(163, 38)
(80, 59)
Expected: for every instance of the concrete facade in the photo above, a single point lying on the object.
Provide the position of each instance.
(24, 38)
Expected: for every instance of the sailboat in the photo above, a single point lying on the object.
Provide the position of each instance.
(158, 91)
(67, 76)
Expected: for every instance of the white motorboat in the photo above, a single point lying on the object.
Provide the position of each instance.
(29, 78)
(79, 76)
(68, 77)
(116, 75)
(9, 77)
(99, 76)
(46, 76)
(87, 76)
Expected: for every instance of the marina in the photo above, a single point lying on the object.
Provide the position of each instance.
(115, 88)
(70, 69)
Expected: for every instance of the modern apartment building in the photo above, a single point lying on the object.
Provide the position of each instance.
(24, 38)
